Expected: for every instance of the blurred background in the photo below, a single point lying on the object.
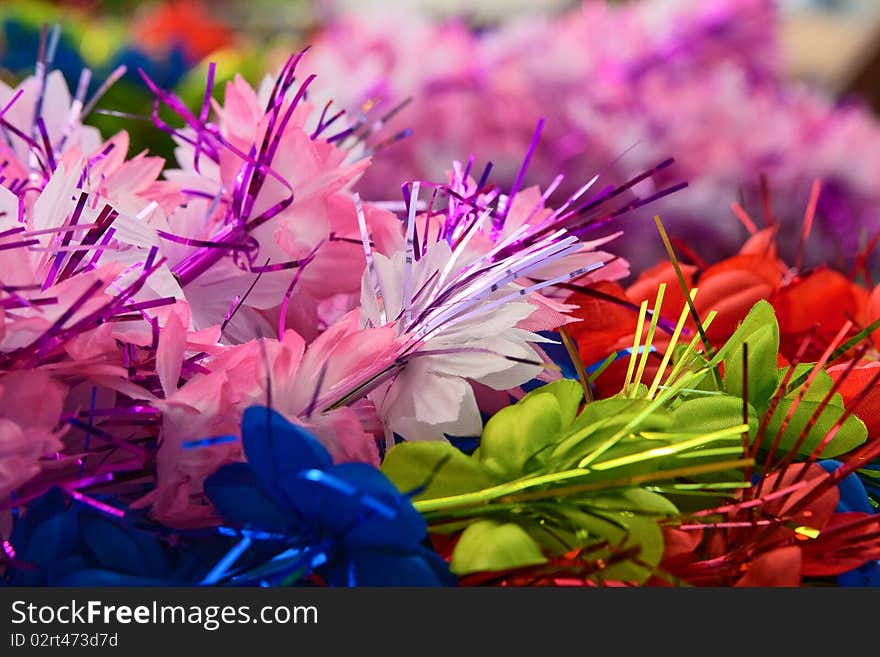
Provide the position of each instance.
(754, 98)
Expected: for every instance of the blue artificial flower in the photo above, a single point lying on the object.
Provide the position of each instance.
(865, 575)
(870, 477)
(853, 495)
(166, 72)
(346, 523)
(62, 543)
(22, 40)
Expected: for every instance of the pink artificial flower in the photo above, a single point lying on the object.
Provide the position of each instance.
(81, 301)
(44, 130)
(27, 161)
(464, 296)
(432, 396)
(528, 208)
(620, 87)
(210, 402)
(30, 411)
(266, 181)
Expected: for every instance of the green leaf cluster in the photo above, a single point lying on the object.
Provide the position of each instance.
(554, 476)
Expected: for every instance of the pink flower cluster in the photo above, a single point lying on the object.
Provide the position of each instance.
(620, 86)
(140, 317)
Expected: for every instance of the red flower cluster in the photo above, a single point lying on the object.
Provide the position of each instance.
(814, 308)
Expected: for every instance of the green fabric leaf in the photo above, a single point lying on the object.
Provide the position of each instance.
(850, 435)
(517, 432)
(568, 393)
(488, 545)
(412, 465)
(821, 386)
(760, 330)
(622, 530)
(602, 419)
(640, 500)
(617, 411)
(712, 413)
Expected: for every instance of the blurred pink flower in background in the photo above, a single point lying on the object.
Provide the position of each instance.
(620, 87)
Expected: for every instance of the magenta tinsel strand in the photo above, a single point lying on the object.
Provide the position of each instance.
(617, 191)
(514, 190)
(256, 166)
(284, 80)
(59, 229)
(242, 185)
(67, 314)
(428, 213)
(20, 501)
(47, 146)
(11, 102)
(268, 149)
(172, 102)
(102, 222)
(629, 207)
(19, 288)
(42, 347)
(162, 125)
(92, 161)
(32, 145)
(321, 118)
(470, 165)
(276, 209)
(127, 357)
(239, 301)
(195, 192)
(95, 504)
(485, 175)
(195, 368)
(120, 410)
(322, 126)
(313, 402)
(279, 130)
(153, 303)
(197, 264)
(13, 293)
(65, 240)
(282, 315)
(340, 136)
(98, 252)
(573, 219)
(24, 303)
(151, 257)
(107, 437)
(203, 114)
(94, 480)
(44, 59)
(204, 244)
(18, 245)
(154, 331)
(279, 266)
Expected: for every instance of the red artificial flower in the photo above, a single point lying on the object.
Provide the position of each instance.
(777, 542)
(818, 303)
(732, 286)
(851, 388)
(186, 24)
(811, 307)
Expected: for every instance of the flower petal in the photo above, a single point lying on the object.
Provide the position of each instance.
(278, 450)
(234, 491)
